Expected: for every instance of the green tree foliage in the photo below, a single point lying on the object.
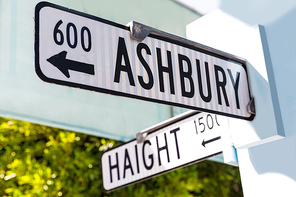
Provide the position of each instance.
(36, 160)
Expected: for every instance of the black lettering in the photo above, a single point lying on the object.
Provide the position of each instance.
(221, 84)
(149, 156)
(217, 120)
(85, 29)
(127, 166)
(74, 34)
(150, 82)
(235, 86)
(186, 75)
(212, 124)
(162, 69)
(114, 166)
(137, 159)
(165, 147)
(174, 131)
(122, 52)
(209, 97)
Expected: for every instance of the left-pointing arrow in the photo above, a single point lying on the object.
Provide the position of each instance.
(209, 141)
(64, 65)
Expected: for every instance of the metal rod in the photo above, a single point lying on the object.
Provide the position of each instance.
(141, 136)
(140, 31)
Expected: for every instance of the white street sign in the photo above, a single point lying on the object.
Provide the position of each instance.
(176, 145)
(83, 51)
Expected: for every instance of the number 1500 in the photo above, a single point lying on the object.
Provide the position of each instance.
(205, 122)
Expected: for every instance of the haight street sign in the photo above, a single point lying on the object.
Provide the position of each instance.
(183, 142)
(84, 51)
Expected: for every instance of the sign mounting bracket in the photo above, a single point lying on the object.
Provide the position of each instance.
(251, 106)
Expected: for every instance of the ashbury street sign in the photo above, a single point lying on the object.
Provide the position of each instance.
(84, 51)
(193, 139)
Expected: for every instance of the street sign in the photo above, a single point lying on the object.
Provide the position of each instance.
(84, 51)
(177, 144)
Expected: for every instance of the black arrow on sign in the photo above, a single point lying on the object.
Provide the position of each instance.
(209, 141)
(64, 65)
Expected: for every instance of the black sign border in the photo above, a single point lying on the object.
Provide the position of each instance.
(40, 74)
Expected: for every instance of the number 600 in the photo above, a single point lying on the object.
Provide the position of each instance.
(71, 36)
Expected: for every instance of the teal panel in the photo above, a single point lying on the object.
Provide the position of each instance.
(24, 96)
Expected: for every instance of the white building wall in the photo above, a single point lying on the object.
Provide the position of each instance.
(266, 147)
